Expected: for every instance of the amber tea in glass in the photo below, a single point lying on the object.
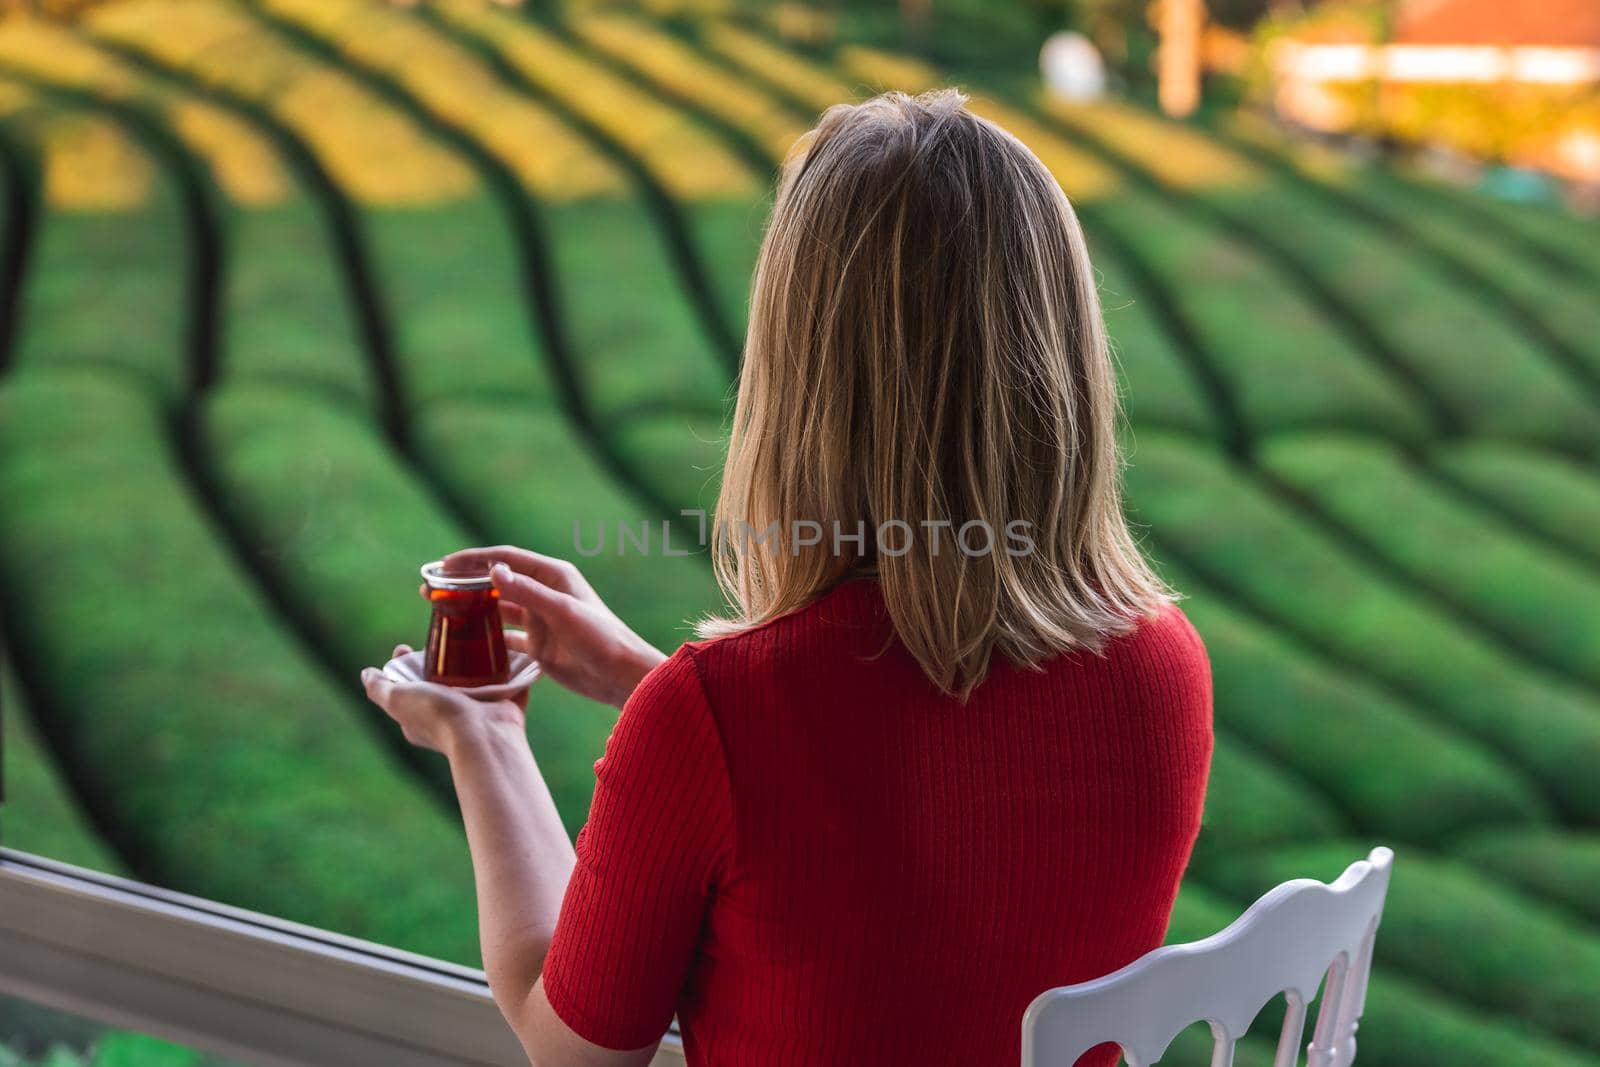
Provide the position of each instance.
(466, 639)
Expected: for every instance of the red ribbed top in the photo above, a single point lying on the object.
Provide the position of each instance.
(816, 859)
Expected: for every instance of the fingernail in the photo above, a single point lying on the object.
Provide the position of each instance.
(500, 573)
(367, 672)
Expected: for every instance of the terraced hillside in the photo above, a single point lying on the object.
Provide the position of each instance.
(296, 294)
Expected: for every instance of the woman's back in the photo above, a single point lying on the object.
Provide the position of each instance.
(842, 864)
(872, 818)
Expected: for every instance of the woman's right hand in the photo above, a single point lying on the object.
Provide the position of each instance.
(577, 640)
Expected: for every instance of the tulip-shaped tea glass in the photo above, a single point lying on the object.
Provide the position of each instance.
(466, 639)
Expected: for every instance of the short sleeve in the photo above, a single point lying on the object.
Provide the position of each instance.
(659, 836)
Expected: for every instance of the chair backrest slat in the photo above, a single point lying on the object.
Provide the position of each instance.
(1294, 1028)
(1325, 1037)
(1285, 943)
(1355, 1001)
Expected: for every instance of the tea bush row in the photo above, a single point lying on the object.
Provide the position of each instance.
(1167, 394)
(1561, 866)
(41, 815)
(718, 193)
(1545, 226)
(1559, 300)
(103, 260)
(1344, 734)
(1553, 495)
(629, 335)
(1220, 523)
(334, 515)
(1481, 367)
(1269, 345)
(1519, 590)
(200, 735)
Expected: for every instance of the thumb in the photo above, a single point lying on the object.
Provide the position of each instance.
(537, 599)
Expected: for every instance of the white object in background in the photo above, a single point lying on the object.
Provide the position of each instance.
(1072, 67)
(1285, 943)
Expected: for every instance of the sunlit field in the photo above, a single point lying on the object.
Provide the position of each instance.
(296, 295)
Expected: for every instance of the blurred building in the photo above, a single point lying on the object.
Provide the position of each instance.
(1517, 82)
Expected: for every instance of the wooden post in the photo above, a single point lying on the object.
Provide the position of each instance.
(915, 18)
(1178, 73)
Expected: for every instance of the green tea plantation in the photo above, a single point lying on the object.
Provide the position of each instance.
(296, 295)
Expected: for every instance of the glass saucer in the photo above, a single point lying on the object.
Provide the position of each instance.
(524, 669)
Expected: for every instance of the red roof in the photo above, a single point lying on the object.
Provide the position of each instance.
(1560, 23)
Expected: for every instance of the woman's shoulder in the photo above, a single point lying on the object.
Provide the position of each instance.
(1168, 630)
(846, 613)
(1166, 654)
(839, 611)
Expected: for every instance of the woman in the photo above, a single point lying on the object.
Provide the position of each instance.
(949, 748)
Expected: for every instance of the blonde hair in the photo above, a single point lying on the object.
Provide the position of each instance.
(926, 345)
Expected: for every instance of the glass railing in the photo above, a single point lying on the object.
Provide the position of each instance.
(233, 983)
(35, 1035)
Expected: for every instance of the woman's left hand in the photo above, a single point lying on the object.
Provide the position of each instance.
(436, 716)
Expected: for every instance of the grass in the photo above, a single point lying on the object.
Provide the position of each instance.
(202, 793)
(1409, 1022)
(624, 351)
(243, 162)
(1545, 227)
(341, 525)
(634, 337)
(1252, 804)
(281, 459)
(678, 69)
(32, 1035)
(85, 165)
(334, 517)
(547, 156)
(1159, 388)
(678, 452)
(431, 98)
(444, 265)
(528, 476)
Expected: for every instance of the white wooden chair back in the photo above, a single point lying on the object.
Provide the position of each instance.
(1284, 943)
